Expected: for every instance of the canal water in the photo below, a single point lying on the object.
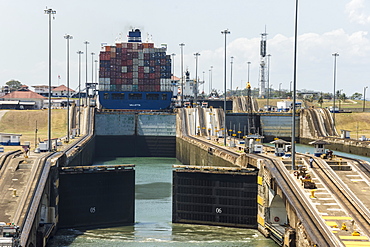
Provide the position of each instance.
(153, 215)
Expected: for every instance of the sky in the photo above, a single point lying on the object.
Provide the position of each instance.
(324, 27)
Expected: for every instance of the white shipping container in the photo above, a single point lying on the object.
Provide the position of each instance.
(135, 68)
(124, 69)
(141, 62)
(107, 80)
(113, 49)
(129, 87)
(146, 69)
(135, 81)
(141, 55)
(135, 75)
(134, 46)
(135, 61)
(101, 80)
(146, 50)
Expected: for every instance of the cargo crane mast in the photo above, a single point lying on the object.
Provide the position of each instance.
(262, 92)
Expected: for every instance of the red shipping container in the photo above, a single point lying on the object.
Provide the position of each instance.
(141, 75)
(124, 62)
(163, 61)
(140, 46)
(129, 62)
(141, 69)
(157, 88)
(119, 45)
(124, 75)
(129, 75)
(129, 45)
(107, 48)
(141, 81)
(152, 63)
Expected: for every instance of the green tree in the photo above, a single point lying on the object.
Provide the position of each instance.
(357, 96)
(14, 85)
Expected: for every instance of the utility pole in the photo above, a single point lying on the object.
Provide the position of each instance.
(225, 32)
(68, 37)
(49, 12)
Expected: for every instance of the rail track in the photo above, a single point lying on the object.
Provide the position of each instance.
(344, 193)
(308, 216)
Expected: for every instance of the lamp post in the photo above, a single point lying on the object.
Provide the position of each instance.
(210, 81)
(79, 91)
(92, 70)
(96, 75)
(231, 75)
(182, 73)
(225, 32)
(249, 64)
(294, 83)
(173, 69)
(335, 55)
(196, 77)
(268, 81)
(280, 90)
(203, 85)
(49, 12)
(68, 37)
(86, 43)
(363, 107)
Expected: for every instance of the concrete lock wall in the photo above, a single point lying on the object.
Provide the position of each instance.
(82, 155)
(344, 145)
(190, 152)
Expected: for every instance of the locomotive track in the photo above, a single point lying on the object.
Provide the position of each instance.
(312, 222)
(344, 189)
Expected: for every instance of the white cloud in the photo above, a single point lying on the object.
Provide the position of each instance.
(315, 61)
(356, 12)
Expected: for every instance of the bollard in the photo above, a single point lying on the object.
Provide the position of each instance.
(344, 227)
(355, 233)
(312, 194)
(14, 192)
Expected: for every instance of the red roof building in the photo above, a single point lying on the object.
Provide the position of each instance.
(24, 97)
(62, 91)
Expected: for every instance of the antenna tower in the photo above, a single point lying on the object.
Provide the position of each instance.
(263, 65)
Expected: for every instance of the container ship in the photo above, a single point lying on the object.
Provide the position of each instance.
(134, 75)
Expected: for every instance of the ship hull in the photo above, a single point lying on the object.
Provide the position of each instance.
(129, 100)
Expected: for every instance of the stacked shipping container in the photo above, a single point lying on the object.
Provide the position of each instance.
(134, 66)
